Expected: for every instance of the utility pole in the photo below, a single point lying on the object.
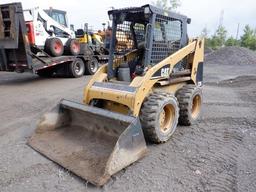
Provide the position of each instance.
(237, 31)
(221, 18)
(220, 21)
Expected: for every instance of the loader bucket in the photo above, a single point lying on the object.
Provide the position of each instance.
(93, 143)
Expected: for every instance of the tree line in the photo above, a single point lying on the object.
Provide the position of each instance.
(220, 38)
(168, 5)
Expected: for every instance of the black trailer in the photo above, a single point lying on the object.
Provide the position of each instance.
(16, 54)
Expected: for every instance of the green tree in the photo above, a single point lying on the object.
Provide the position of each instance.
(218, 39)
(231, 41)
(214, 42)
(249, 38)
(168, 5)
(175, 4)
(163, 4)
(221, 35)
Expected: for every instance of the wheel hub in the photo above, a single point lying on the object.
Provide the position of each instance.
(77, 67)
(93, 66)
(196, 106)
(75, 47)
(57, 47)
(166, 118)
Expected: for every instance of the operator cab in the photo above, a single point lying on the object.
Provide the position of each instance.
(142, 37)
(58, 15)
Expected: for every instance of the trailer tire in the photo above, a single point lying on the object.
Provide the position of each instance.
(76, 68)
(72, 47)
(54, 47)
(91, 66)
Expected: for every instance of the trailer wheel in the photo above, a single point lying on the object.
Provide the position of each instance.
(72, 47)
(76, 68)
(190, 100)
(159, 117)
(91, 66)
(54, 47)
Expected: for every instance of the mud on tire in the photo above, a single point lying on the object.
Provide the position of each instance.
(159, 117)
(190, 103)
(54, 47)
(72, 47)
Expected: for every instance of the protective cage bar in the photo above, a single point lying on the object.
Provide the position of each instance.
(166, 39)
(168, 35)
(128, 36)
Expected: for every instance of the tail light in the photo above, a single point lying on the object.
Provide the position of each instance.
(30, 32)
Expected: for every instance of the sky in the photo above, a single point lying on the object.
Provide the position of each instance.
(202, 12)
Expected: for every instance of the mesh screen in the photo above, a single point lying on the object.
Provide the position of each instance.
(126, 38)
(167, 38)
(139, 32)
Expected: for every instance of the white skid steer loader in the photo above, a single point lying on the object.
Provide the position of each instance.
(48, 30)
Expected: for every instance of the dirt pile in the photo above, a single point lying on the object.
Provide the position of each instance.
(207, 50)
(232, 56)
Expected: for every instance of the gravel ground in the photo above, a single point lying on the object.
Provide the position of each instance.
(216, 154)
(231, 56)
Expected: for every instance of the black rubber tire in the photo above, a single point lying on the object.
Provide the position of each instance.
(45, 73)
(150, 116)
(189, 111)
(91, 66)
(54, 47)
(72, 47)
(76, 68)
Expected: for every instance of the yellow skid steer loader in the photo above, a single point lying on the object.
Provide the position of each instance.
(153, 81)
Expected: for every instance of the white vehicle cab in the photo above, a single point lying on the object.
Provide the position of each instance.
(40, 41)
(48, 30)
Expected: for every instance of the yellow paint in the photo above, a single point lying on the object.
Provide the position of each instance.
(116, 107)
(88, 38)
(144, 84)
